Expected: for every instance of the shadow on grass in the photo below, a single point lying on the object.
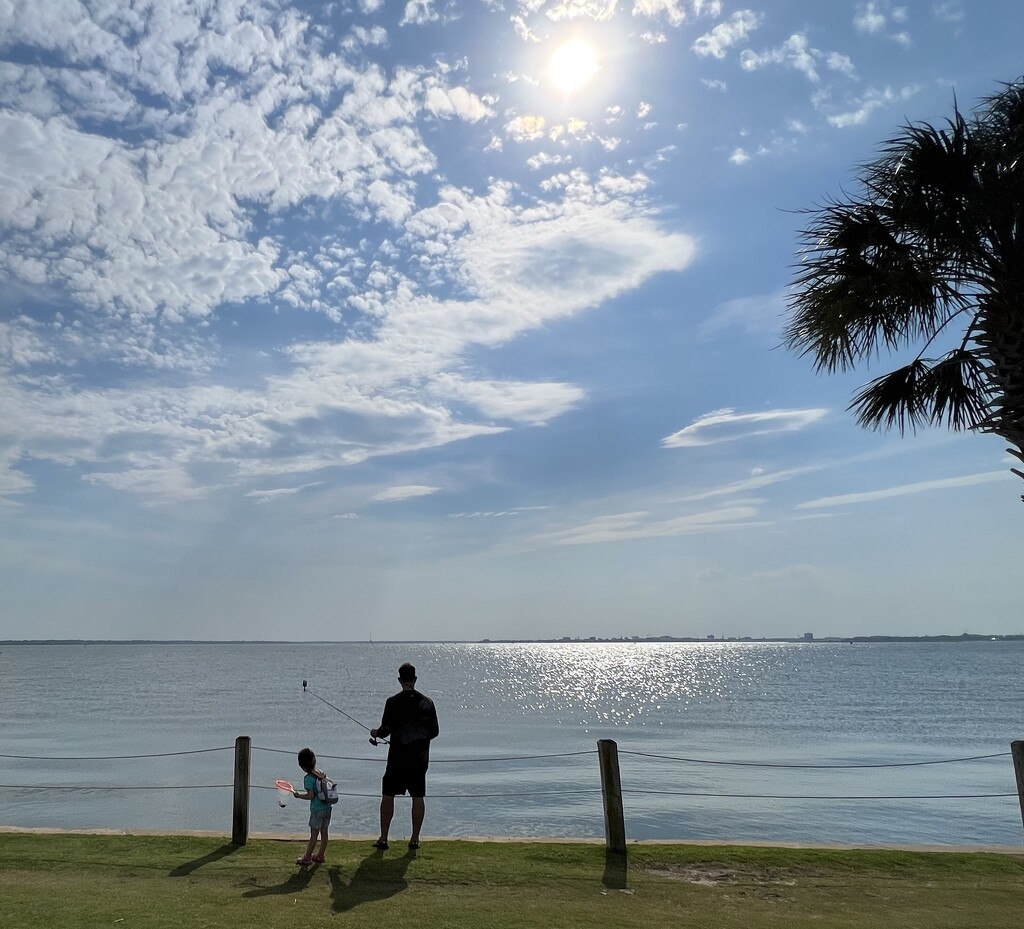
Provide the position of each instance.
(616, 870)
(183, 870)
(376, 878)
(295, 882)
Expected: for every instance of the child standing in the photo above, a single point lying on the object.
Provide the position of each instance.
(319, 811)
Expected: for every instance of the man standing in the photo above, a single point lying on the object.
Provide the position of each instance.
(411, 721)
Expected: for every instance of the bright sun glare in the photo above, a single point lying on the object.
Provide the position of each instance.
(572, 65)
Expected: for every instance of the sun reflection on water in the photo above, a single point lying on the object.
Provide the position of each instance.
(613, 684)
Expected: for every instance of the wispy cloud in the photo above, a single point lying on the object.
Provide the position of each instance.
(755, 482)
(490, 514)
(405, 492)
(729, 426)
(263, 496)
(904, 489)
(858, 110)
(757, 315)
(624, 527)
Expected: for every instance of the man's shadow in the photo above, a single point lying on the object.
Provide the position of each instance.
(183, 870)
(377, 878)
(293, 884)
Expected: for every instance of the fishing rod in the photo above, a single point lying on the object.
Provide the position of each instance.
(306, 690)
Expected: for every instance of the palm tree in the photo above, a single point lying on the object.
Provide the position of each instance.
(928, 257)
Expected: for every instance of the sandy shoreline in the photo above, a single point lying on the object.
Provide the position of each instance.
(297, 837)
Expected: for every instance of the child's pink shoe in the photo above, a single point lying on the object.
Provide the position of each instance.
(305, 860)
(318, 859)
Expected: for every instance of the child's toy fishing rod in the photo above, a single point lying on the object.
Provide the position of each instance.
(338, 709)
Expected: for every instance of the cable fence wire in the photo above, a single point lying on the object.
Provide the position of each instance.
(195, 751)
(433, 760)
(707, 792)
(770, 764)
(474, 794)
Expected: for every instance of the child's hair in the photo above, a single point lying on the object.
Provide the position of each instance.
(307, 760)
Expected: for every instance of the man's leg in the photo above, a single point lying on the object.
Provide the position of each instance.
(387, 811)
(418, 809)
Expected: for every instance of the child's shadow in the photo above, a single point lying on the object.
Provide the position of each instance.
(376, 878)
(296, 882)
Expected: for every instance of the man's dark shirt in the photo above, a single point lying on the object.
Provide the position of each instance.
(411, 721)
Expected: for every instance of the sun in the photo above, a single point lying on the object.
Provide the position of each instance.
(572, 65)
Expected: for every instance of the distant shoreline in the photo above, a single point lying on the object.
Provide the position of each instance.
(590, 640)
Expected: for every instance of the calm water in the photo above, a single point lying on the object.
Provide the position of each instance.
(750, 702)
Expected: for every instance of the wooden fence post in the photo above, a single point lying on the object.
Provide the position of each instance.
(611, 790)
(240, 807)
(1017, 751)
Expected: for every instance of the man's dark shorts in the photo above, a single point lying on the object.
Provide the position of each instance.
(406, 776)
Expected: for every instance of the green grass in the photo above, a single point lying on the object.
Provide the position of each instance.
(70, 881)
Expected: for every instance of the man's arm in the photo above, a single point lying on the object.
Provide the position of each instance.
(385, 727)
(432, 722)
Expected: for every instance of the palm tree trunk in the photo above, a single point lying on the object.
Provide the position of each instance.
(1001, 339)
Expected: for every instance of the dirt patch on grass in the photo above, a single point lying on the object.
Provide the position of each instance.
(711, 874)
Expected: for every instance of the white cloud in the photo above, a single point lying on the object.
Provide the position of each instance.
(951, 11)
(599, 10)
(672, 10)
(757, 315)
(489, 514)
(920, 487)
(157, 246)
(418, 12)
(724, 36)
(869, 18)
(263, 496)
(729, 426)
(532, 403)
(404, 492)
(795, 53)
(867, 104)
(739, 156)
(526, 128)
(625, 527)
(874, 17)
(456, 101)
(758, 479)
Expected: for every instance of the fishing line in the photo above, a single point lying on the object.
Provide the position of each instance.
(338, 709)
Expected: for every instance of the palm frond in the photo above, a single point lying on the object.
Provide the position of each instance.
(893, 400)
(950, 391)
(860, 288)
(956, 390)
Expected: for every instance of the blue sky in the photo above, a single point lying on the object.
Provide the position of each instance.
(461, 320)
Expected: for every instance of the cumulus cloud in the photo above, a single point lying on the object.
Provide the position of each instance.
(796, 53)
(600, 10)
(456, 101)
(170, 234)
(724, 36)
(875, 16)
(860, 109)
(673, 11)
(727, 425)
(418, 12)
